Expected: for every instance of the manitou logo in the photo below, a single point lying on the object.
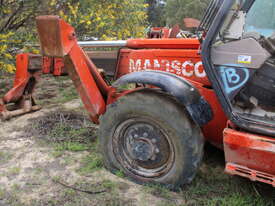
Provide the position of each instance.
(186, 68)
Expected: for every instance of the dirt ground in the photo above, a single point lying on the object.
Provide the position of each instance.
(51, 157)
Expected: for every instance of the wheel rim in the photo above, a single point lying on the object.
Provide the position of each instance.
(143, 148)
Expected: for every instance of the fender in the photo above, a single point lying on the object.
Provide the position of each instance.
(188, 95)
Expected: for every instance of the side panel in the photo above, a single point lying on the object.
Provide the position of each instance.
(182, 62)
(250, 151)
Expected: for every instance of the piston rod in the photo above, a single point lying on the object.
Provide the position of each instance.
(93, 44)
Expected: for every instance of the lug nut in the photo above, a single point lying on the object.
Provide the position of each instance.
(154, 141)
(157, 150)
(135, 136)
(145, 134)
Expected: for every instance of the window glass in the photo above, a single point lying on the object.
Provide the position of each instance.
(261, 18)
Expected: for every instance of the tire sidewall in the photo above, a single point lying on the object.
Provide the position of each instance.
(173, 120)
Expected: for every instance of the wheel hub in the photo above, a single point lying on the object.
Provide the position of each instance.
(143, 148)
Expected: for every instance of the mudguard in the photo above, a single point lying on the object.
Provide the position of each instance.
(188, 95)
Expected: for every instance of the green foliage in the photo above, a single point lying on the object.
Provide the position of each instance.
(16, 28)
(107, 20)
(170, 12)
(236, 200)
(157, 190)
(177, 10)
(91, 163)
(16, 14)
(71, 146)
(5, 156)
(2, 193)
(13, 171)
(156, 13)
(120, 173)
(67, 138)
(5, 56)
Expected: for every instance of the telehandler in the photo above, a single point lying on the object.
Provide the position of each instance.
(218, 87)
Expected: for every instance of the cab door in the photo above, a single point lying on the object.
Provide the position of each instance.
(239, 58)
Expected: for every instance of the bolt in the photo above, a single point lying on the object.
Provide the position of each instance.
(135, 136)
(154, 141)
(157, 150)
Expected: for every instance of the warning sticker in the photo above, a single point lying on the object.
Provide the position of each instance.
(244, 59)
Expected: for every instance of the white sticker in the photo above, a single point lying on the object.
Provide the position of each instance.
(244, 59)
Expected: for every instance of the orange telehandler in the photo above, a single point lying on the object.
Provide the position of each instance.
(218, 87)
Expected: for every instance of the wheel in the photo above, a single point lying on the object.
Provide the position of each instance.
(149, 136)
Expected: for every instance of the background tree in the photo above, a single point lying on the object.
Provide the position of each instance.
(93, 19)
(177, 10)
(156, 13)
(112, 19)
(15, 17)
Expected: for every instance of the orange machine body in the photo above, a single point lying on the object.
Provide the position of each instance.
(247, 154)
(182, 61)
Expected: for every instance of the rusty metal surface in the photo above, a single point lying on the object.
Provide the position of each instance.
(158, 33)
(59, 67)
(35, 62)
(246, 154)
(50, 38)
(143, 148)
(30, 66)
(106, 60)
(56, 36)
(21, 79)
(58, 39)
(102, 54)
(89, 91)
(174, 31)
(250, 150)
(253, 175)
(20, 96)
(23, 106)
(191, 23)
(47, 65)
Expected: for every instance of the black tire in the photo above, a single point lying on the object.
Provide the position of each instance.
(149, 136)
